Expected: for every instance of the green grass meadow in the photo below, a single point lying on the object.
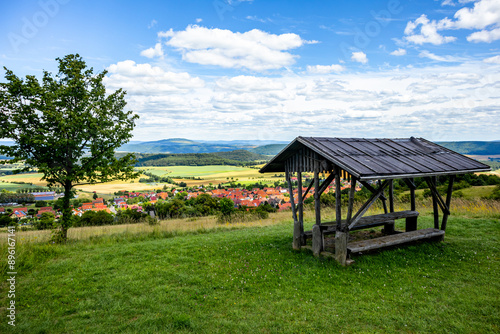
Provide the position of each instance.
(251, 281)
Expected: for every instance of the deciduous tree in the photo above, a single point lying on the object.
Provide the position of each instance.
(67, 127)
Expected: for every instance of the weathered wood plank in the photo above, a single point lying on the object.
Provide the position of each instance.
(448, 201)
(393, 240)
(391, 216)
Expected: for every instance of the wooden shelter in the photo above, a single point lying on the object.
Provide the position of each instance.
(374, 163)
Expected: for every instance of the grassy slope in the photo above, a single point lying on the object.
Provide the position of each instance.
(250, 281)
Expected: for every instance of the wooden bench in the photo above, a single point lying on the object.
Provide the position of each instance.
(394, 240)
(373, 221)
(387, 218)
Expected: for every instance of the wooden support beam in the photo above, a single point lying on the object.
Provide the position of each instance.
(300, 208)
(326, 183)
(383, 199)
(352, 191)
(412, 186)
(432, 185)
(369, 187)
(448, 202)
(297, 235)
(368, 203)
(434, 204)
(317, 234)
(338, 199)
(389, 227)
(391, 196)
(308, 188)
(317, 203)
(410, 183)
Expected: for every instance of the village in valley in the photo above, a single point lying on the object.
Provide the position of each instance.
(242, 197)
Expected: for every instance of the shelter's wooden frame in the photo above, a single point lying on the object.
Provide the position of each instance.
(379, 161)
(309, 161)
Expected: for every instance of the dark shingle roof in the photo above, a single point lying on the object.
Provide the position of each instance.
(369, 159)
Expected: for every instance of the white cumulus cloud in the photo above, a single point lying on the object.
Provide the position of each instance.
(492, 60)
(399, 52)
(324, 69)
(255, 50)
(359, 57)
(428, 32)
(483, 16)
(157, 51)
(149, 80)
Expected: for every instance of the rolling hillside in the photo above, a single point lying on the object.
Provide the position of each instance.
(181, 145)
(473, 147)
(232, 158)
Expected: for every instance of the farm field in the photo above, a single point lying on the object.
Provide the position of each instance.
(208, 174)
(247, 279)
(212, 174)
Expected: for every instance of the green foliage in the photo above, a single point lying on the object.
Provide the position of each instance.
(241, 155)
(130, 216)
(232, 158)
(40, 204)
(8, 197)
(5, 220)
(67, 127)
(46, 221)
(94, 218)
(226, 206)
(496, 193)
(271, 149)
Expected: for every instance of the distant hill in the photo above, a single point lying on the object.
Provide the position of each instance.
(181, 145)
(242, 155)
(271, 149)
(231, 158)
(473, 147)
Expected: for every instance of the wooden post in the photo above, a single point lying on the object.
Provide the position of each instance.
(391, 195)
(382, 198)
(352, 191)
(300, 207)
(412, 196)
(296, 227)
(341, 247)
(411, 222)
(448, 202)
(430, 182)
(317, 234)
(389, 228)
(338, 199)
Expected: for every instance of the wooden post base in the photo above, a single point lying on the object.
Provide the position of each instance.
(341, 247)
(317, 240)
(297, 237)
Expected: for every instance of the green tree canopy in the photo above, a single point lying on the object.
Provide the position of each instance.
(67, 127)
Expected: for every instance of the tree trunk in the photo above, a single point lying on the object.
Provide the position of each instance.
(65, 220)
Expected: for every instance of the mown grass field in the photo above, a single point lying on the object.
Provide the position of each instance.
(247, 279)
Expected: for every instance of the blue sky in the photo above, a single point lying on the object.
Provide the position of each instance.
(274, 70)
